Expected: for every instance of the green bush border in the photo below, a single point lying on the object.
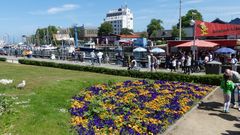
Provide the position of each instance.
(203, 79)
(3, 59)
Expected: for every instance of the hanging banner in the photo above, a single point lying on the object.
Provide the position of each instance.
(205, 29)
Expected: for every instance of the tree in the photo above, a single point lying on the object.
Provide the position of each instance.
(175, 32)
(144, 34)
(45, 35)
(105, 29)
(191, 14)
(126, 31)
(154, 25)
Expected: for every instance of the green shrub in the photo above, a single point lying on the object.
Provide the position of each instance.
(3, 59)
(203, 79)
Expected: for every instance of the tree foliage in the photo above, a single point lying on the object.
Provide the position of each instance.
(175, 32)
(45, 35)
(155, 25)
(191, 14)
(105, 29)
(144, 34)
(126, 31)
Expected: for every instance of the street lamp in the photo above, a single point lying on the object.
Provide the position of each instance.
(180, 20)
(193, 47)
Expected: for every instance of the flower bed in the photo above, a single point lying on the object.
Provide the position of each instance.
(133, 107)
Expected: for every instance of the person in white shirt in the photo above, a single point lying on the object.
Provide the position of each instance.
(99, 55)
(210, 57)
(133, 64)
(206, 59)
(234, 62)
(149, 62)
(83, 56)
(153, 63)
(188, 64)
(92, 54)
(174, 64)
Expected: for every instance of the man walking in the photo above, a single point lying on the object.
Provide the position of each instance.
(92, 57)
(235, 76)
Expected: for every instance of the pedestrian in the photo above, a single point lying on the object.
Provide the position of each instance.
(234, 62)
(188, 64)
(92, 54)
(183, 63)
(153, 62)
(73, 55)
(83, 56)
(99, 55)
(107, 58)
(174, 64)
(133, 64)
(16, 52)
(227, 86)
(235, 77)
(149, 62)
(118, 58)
(158, 62)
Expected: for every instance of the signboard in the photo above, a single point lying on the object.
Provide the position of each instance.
(204, 29)
(60, 37)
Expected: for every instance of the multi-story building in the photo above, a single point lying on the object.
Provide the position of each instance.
(88, 33)
(120, 18)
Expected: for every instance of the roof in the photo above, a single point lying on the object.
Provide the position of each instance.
(217, 20)
(164, 33)
(129, 36)
(235, 21)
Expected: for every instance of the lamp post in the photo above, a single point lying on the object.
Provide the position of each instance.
(193, 47)
(180, 20)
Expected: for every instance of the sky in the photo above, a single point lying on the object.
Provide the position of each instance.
(23, 17)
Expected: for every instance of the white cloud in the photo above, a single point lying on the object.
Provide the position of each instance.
(66, 7)
(192, 1)
(56, 10)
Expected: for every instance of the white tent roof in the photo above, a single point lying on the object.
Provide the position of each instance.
(157, 50)
(139, 49)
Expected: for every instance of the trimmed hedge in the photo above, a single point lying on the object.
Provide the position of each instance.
(203, 79)
(3, 59)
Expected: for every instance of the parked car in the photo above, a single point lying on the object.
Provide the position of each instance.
(3, 52)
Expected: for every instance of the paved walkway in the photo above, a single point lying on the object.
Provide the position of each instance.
(208, 119)
(88, 63)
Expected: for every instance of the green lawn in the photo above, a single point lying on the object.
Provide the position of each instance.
(48, 90)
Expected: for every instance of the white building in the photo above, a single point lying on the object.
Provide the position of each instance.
(120, 18)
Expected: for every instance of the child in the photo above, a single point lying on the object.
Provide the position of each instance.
(228, 87)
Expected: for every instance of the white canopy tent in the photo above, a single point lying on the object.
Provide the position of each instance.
(157, 50)
(139, 49)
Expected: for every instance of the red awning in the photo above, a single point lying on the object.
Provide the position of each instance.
(199, 43)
